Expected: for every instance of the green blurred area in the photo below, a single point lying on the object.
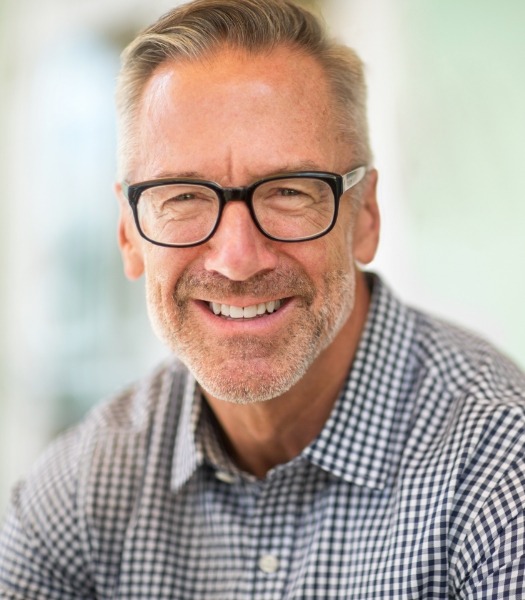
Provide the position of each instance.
(463, 118)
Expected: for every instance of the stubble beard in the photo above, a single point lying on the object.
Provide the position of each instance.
(246, 369)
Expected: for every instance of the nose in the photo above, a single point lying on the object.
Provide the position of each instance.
(238, 250)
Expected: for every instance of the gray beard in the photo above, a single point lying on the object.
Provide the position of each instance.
(264, 368)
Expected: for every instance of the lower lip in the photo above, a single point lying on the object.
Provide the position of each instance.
(259, 324)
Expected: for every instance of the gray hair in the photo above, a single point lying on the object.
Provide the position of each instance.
(191, 31)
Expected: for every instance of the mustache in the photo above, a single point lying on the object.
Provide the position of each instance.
(281, 283)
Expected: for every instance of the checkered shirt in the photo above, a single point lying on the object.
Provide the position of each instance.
(415, 488)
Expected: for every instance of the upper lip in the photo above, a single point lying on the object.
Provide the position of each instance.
(242, 303)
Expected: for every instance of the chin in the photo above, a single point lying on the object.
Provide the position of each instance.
(250, 388)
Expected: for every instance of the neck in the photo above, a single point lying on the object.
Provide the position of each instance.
(262, 435)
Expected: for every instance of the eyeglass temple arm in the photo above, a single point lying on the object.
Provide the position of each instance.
(353, 178)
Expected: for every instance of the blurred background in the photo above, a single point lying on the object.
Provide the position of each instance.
(447, 102)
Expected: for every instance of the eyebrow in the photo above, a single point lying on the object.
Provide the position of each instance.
(182, 174)
(306, 165)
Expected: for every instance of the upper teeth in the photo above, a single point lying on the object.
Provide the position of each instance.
(246, 312)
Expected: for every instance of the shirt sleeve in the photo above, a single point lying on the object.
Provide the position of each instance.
(42, 549)
(492, 561)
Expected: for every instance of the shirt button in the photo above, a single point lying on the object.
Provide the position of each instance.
(225, 477)
(268, 563)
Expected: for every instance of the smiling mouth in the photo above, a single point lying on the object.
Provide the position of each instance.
(245, 312)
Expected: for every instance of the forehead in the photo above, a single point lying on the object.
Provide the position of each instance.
(251, 111)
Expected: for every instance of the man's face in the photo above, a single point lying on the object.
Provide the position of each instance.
(233, 119)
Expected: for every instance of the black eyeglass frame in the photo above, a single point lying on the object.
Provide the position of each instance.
(339, 184)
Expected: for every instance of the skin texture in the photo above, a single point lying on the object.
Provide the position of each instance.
(233, 118)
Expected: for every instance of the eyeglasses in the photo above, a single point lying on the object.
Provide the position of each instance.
(295, 207)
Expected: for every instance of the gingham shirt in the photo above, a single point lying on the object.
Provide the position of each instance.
(415, 488)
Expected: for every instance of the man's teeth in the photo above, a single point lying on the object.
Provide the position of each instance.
(246, 312)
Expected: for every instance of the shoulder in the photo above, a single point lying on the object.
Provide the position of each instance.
(469, 398)
(466, 369)
(88, 477)
(131, 409)
(467, 411)
(128, 415)
(468, 442)
(112, 442)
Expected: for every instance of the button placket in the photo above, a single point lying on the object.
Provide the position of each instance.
(271, 542)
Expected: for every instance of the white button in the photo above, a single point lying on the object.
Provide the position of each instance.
(268, 563)
(225, 477)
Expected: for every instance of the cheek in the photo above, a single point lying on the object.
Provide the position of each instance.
(327, 258)
(337, 255)
(164, 267)
(344, 229)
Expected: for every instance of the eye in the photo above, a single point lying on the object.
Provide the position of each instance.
(167, 196)
(288, 192)
(176, 202)
(185, 196)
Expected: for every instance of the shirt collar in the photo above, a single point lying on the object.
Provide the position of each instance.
(198, 439)
(362, 439)
(188, 454)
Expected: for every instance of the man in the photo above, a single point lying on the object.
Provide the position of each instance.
(315, 438)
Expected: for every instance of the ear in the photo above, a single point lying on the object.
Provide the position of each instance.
(367, 222)
(129, 240)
